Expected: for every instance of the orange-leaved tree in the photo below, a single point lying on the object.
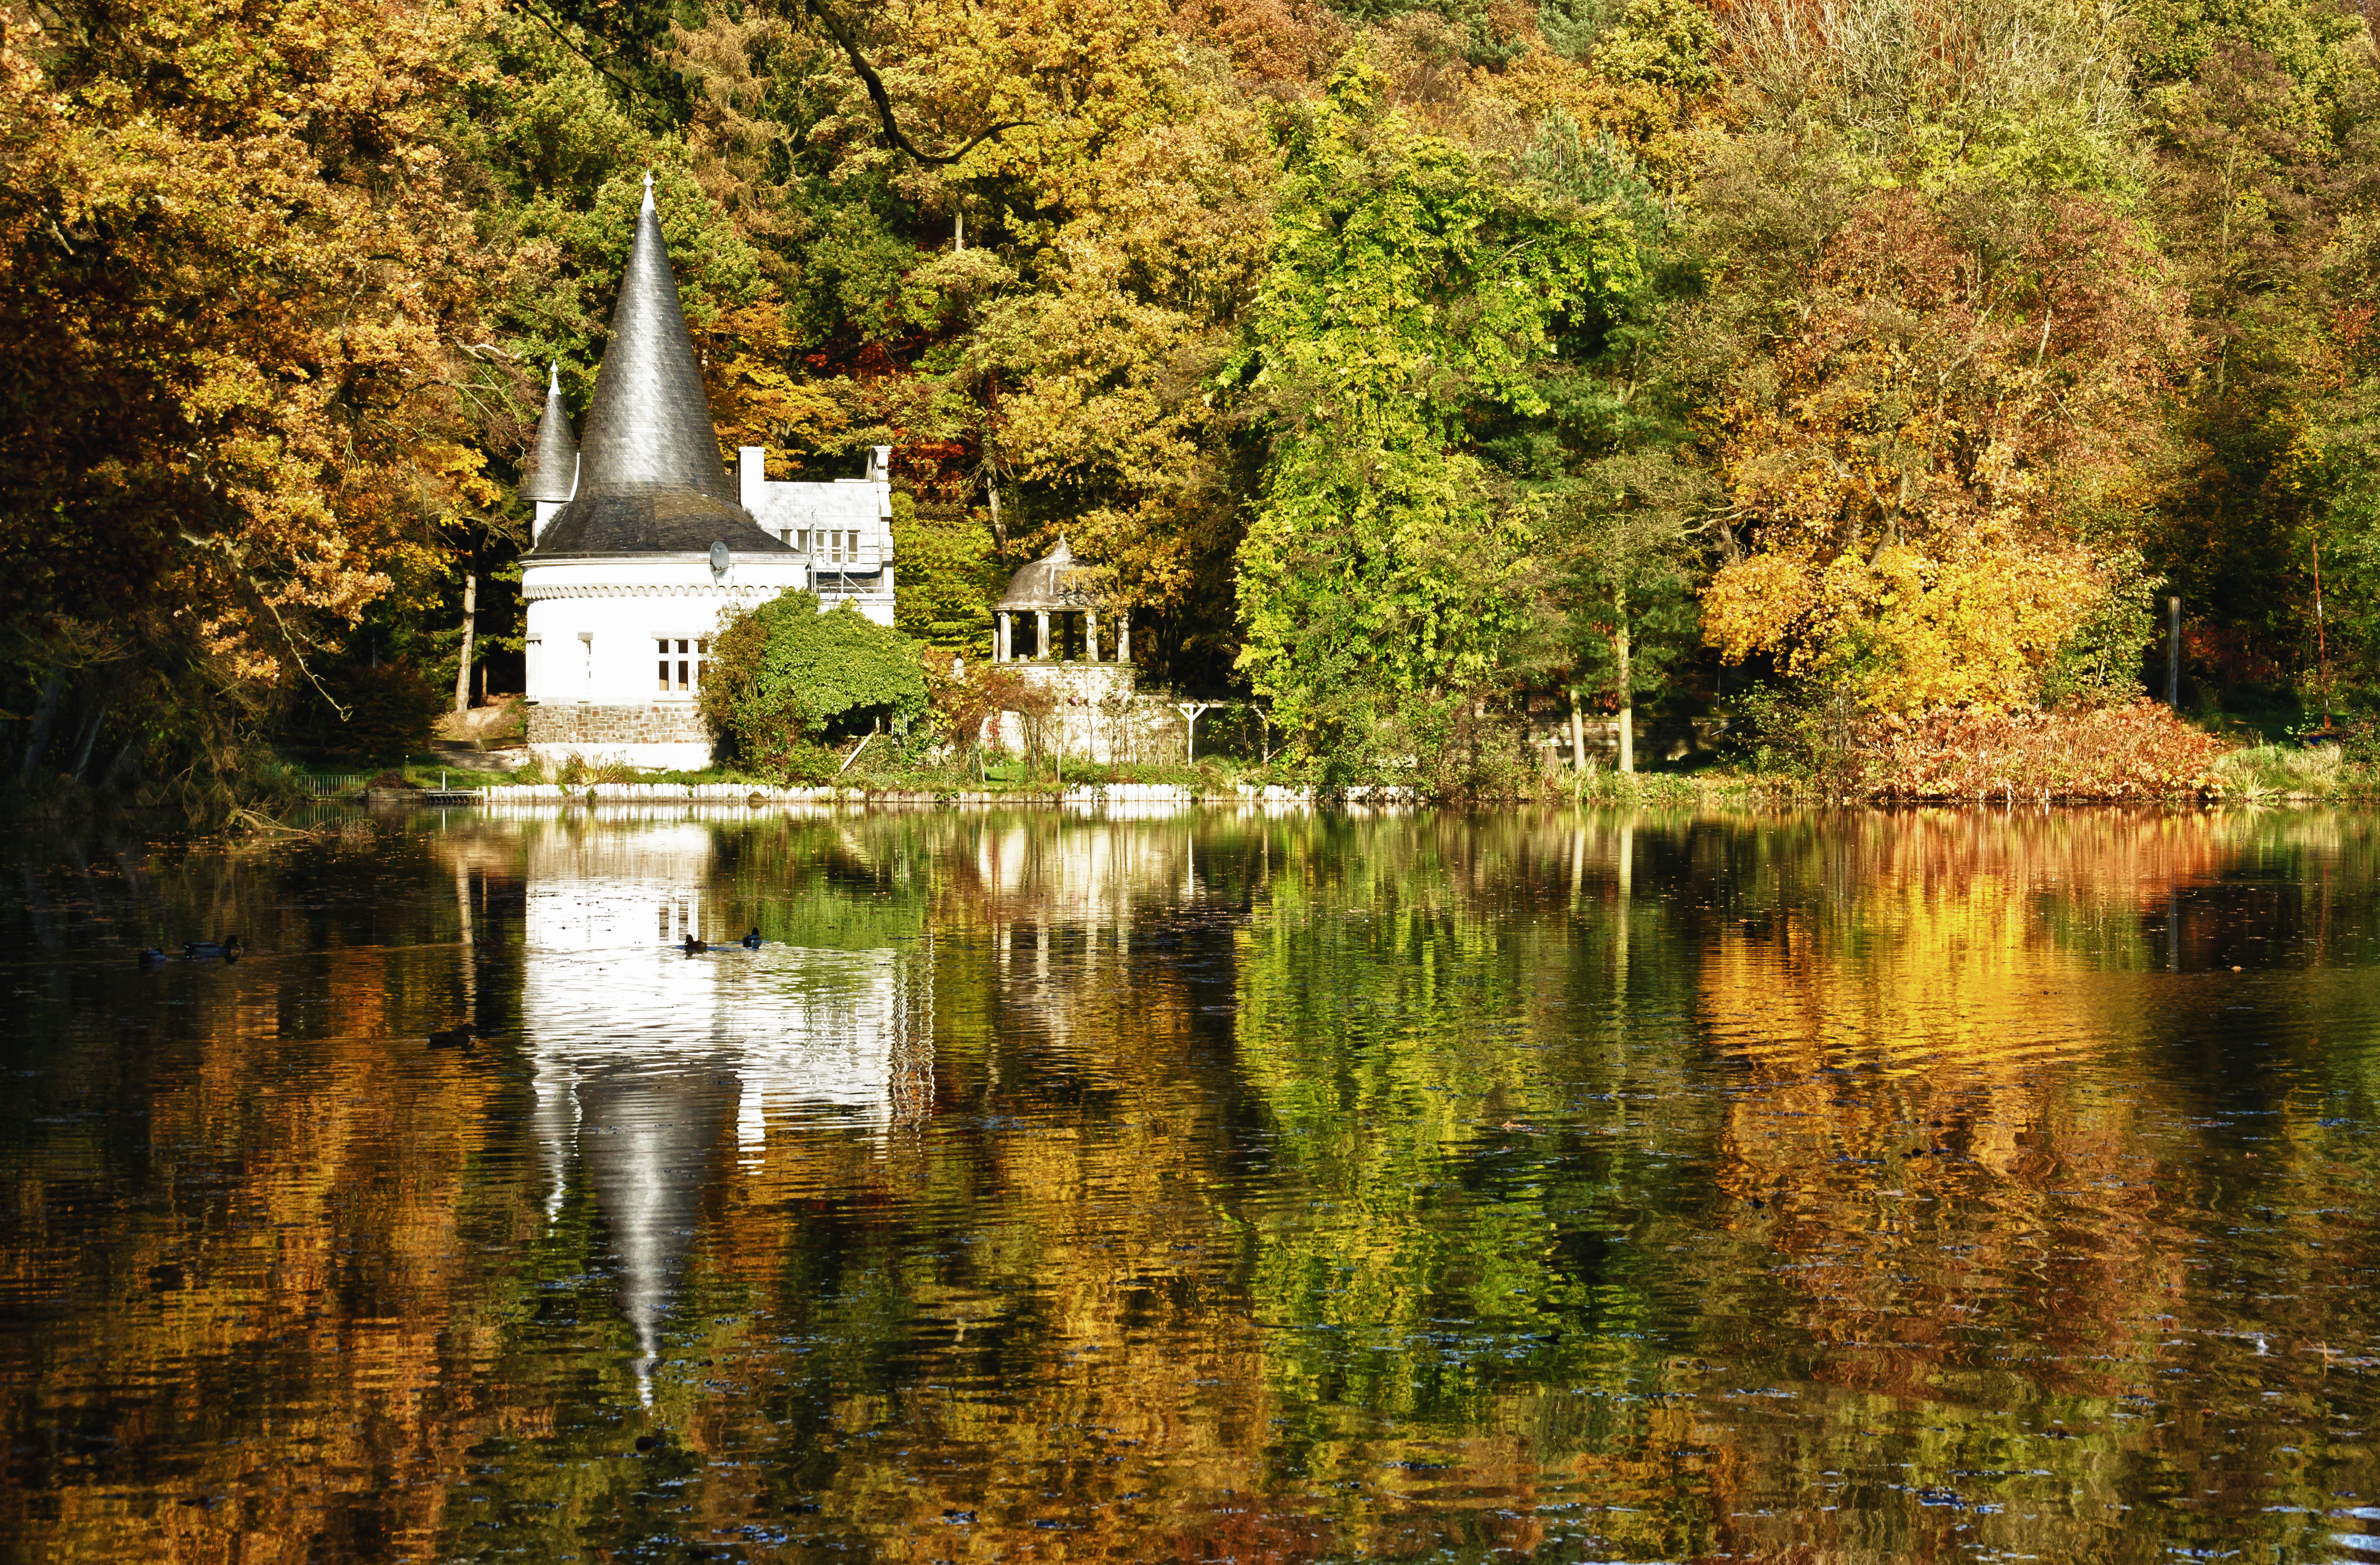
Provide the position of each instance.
(1936, 470)
(231, 289)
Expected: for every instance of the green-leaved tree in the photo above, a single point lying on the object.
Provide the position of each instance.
(1411, 293)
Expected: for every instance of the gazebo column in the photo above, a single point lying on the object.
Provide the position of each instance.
(1041, 634)
(1123, 636)
(1091, 635)
(1000, 637)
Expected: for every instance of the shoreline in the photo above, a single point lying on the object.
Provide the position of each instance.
(1657, 791)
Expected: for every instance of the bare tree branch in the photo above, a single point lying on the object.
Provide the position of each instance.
(835, 30)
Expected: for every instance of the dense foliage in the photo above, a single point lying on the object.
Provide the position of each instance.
(1397, 363)
(787, 679)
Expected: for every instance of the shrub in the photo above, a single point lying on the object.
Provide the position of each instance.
(575, 771)
(389, 712)
(1808, 732)
(785, 679)
(2359, 738)
(1461, 746)
(963, 704)
(2137, 751)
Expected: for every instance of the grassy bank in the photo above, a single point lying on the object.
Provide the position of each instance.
(2135, 754)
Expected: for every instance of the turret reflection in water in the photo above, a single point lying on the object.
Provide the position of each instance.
(652, 1066)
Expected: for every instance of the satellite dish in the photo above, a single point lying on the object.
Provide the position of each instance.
(719, 560)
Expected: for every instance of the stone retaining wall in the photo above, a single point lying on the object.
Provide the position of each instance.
(593, 727)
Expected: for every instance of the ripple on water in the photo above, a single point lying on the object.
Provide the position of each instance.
(1553, 1187)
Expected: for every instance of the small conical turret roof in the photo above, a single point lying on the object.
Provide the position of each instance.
(553, 461)
(650, 477)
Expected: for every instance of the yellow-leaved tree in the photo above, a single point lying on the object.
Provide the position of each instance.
(1935, 472)
(233, 289)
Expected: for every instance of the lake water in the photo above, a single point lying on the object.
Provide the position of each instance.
(1209, 1186)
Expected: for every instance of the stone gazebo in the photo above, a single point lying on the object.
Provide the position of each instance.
(1046, 630)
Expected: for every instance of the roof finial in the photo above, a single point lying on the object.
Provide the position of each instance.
(552, 377)
(649, 190)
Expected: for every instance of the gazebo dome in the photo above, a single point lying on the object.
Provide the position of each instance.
(1053, 584)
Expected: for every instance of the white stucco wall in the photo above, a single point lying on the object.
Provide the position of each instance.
(592, 622)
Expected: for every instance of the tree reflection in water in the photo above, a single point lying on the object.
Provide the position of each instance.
(1569, 1187)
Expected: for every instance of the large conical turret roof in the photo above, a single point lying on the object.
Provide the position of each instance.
(650, 477)
(553, 460)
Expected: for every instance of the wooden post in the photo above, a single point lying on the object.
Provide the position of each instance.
(2321, 638)
(2173, 655)
(470, 626)
(1191, 712)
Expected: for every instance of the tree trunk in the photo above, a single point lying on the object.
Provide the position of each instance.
(44, 712)
(1577, 734)
(1627, 697)
(91, 736)
(470, 626)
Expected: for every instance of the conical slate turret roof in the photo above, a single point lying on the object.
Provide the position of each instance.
(553, 461)
(650, 477)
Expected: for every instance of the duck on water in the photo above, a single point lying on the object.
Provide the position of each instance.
(694, 947)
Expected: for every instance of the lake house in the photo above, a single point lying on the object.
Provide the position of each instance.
(641, 539)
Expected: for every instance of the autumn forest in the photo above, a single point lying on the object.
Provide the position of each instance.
(1399, 363)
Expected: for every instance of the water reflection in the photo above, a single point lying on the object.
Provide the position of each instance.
(649, 1063)
(1928, 1186)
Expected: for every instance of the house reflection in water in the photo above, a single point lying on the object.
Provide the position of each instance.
(652, 1069)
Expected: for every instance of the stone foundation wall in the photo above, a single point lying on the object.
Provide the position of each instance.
(593, 727)
(1097, 716)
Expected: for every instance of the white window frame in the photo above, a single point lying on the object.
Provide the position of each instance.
(678, 659)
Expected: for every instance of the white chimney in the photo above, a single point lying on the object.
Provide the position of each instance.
(752, 473)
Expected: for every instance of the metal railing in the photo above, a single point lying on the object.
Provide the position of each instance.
(335, 783)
